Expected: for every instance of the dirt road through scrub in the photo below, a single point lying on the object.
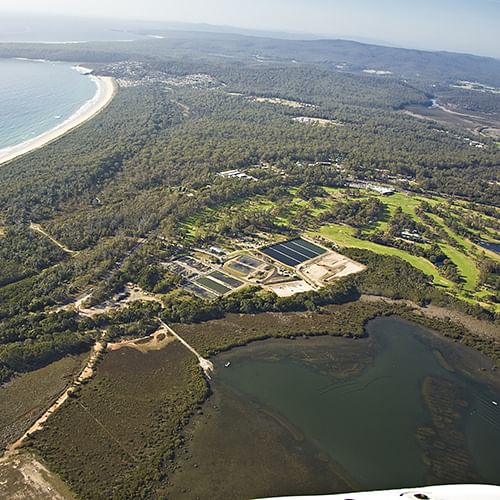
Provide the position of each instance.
(38, 229)
(206, 365)
(86, 373)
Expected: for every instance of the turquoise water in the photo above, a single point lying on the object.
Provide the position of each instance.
(369, 423)
(37, 96)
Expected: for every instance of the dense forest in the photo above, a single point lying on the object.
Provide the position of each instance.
(139, 187)
(224, 48)
(116, 190)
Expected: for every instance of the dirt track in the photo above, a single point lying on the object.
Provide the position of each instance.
(38, 229)
(206, 365)
(85, 374)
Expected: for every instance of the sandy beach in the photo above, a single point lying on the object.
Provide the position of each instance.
(105, 92)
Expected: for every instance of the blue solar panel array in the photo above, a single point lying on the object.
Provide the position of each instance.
(294, 252)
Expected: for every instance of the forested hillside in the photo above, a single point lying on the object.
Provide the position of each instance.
(117, 190)
(334, 54)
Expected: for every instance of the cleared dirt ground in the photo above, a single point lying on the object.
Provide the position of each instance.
(282, 102)
(331, 266)
(290, 288)
(24, 477)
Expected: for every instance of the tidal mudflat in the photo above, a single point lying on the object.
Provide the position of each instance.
(403, 407)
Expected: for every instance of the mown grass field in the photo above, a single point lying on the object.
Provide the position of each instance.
(290, 211)
(343, 236)
(465, 265)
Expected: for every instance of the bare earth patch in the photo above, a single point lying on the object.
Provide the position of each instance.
(317, 121)
(158, 340)
(329, 267)
(132, 293)
(290, 288)
(24, 477)
(283, 102)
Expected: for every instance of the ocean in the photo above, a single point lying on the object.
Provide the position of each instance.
(48, 29)
(37, 96)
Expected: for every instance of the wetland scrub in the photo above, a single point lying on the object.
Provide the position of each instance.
(25, 397)
(403, 407)
(158, 427)
(131, 416)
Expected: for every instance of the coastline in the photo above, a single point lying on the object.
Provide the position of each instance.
(483, 328)
(106, 90)
(241, 330)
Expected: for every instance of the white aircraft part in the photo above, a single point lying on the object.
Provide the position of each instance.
(450, 492)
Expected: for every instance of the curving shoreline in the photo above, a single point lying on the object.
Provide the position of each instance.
(106, 90)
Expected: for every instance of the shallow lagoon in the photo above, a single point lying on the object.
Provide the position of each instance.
(401, 408)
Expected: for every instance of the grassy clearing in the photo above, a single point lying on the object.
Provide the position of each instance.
(462, 242)
(344, 236)
(407, 203)
(466, 209)
(258, 203)
(490, 236)
(465, 264)
(192, 225)
(477, 300)
(486, 234)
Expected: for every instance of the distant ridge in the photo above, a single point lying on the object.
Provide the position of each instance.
(338, 55)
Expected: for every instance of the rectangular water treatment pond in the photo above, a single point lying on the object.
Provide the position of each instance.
(224, 278)
(294, 252)
(212, 285)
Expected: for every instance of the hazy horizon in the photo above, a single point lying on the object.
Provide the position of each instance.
(469, 26)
